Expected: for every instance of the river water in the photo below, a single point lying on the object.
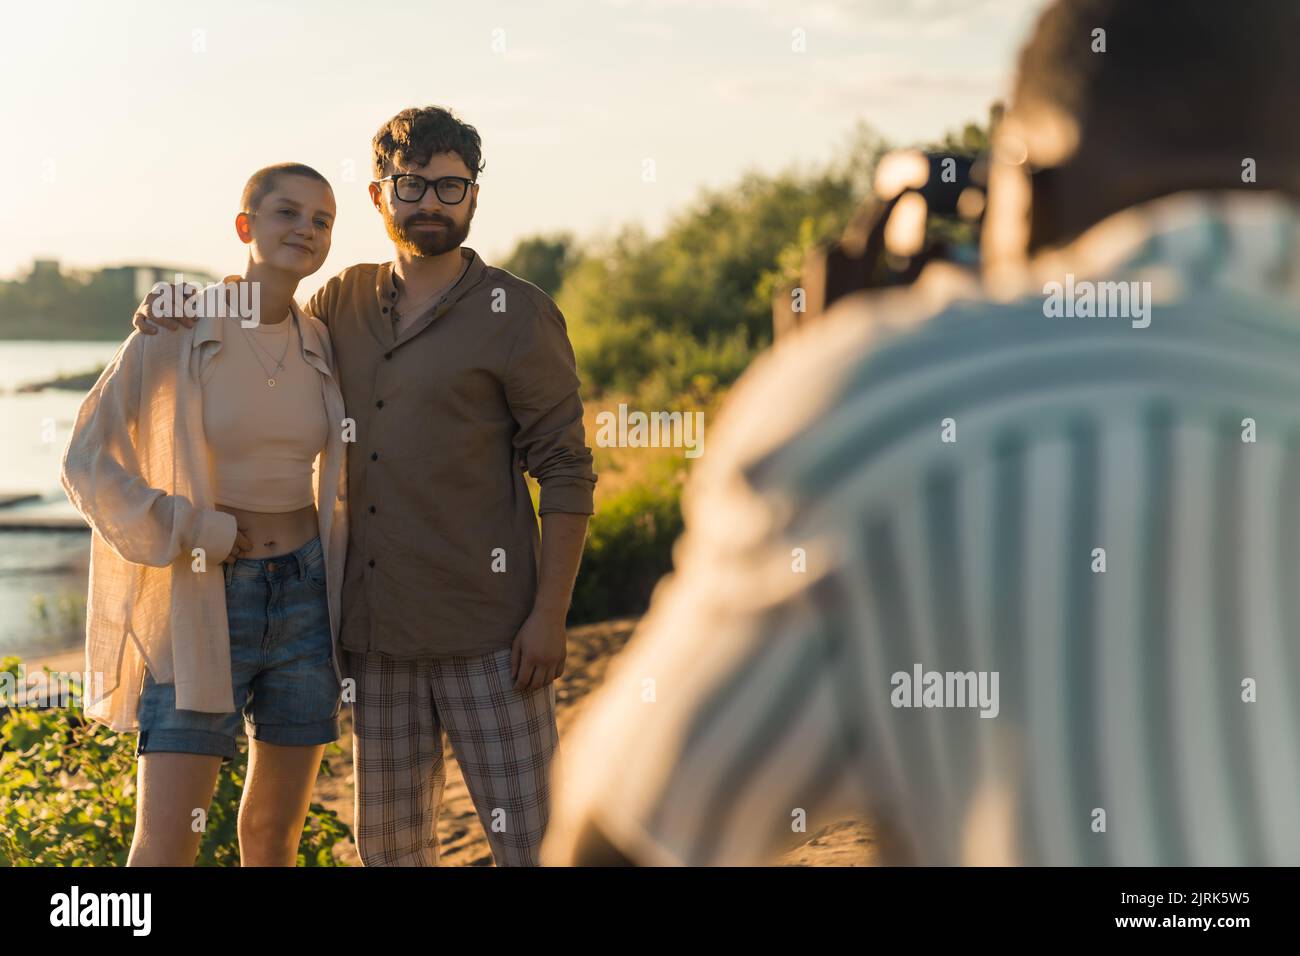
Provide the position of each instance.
(42, 573)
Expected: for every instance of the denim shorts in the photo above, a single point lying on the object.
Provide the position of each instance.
(282, 664)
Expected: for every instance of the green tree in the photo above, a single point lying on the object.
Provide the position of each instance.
(543, 260)
(657, 312)
(972, 139)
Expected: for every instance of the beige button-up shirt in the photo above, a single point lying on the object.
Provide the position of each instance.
(137, 468)
(444, 551)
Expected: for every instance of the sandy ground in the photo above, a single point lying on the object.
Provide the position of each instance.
(591, 647)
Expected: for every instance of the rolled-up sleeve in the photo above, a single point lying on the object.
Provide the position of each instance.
(542, 386)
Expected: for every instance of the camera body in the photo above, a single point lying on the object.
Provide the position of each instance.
(926, 206)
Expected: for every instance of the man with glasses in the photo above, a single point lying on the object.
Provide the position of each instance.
(459, 377)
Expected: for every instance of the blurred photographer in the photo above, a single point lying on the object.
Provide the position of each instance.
(1010, 575)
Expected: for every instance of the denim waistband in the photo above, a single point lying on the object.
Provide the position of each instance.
(278, 566)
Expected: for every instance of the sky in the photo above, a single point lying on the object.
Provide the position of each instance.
(130, 128)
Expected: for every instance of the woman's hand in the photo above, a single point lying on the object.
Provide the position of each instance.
(241, 547)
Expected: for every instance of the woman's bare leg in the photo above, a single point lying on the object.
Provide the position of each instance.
(277, 795)
(171, 787)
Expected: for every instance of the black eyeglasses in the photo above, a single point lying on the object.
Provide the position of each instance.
(411, 188)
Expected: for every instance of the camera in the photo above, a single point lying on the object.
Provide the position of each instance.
(926, 206)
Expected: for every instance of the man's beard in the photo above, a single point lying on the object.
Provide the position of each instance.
(427, 242)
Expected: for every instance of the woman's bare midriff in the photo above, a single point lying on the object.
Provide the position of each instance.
(273, 534)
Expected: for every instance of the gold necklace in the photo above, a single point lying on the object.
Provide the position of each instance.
(279, 366)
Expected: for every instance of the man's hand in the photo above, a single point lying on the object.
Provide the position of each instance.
(148, 323)
(537, 656)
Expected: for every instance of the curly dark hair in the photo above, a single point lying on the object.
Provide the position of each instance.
(415, 135)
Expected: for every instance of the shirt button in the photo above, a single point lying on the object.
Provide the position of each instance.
(372, 562)
(372, 509)
(379, 404)
(374, 456)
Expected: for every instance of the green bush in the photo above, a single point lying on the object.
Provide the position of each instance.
(629, 548)
(68, 791)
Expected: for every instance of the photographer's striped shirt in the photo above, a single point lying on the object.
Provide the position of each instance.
(1104, 514)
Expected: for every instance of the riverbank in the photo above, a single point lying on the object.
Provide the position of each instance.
(76, 382)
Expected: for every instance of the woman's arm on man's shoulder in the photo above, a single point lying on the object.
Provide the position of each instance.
(149, 320)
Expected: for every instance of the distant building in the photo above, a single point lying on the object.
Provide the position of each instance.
(80, 304)
(141, 278)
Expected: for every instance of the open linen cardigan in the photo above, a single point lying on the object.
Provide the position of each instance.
(137, 468)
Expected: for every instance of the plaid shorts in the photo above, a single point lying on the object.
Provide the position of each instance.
(504, 741)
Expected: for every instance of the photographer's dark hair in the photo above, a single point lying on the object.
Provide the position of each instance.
(262, 182)
(1198, 76)
(414, 136)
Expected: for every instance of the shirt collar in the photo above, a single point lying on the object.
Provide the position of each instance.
(211, 328)
(1239, 238)
(386, 287)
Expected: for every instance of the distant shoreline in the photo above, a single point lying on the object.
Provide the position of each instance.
(78, 381)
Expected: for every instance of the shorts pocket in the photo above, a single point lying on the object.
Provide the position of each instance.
(314, 572)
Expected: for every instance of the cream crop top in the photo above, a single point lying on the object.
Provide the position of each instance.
(263, 440)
